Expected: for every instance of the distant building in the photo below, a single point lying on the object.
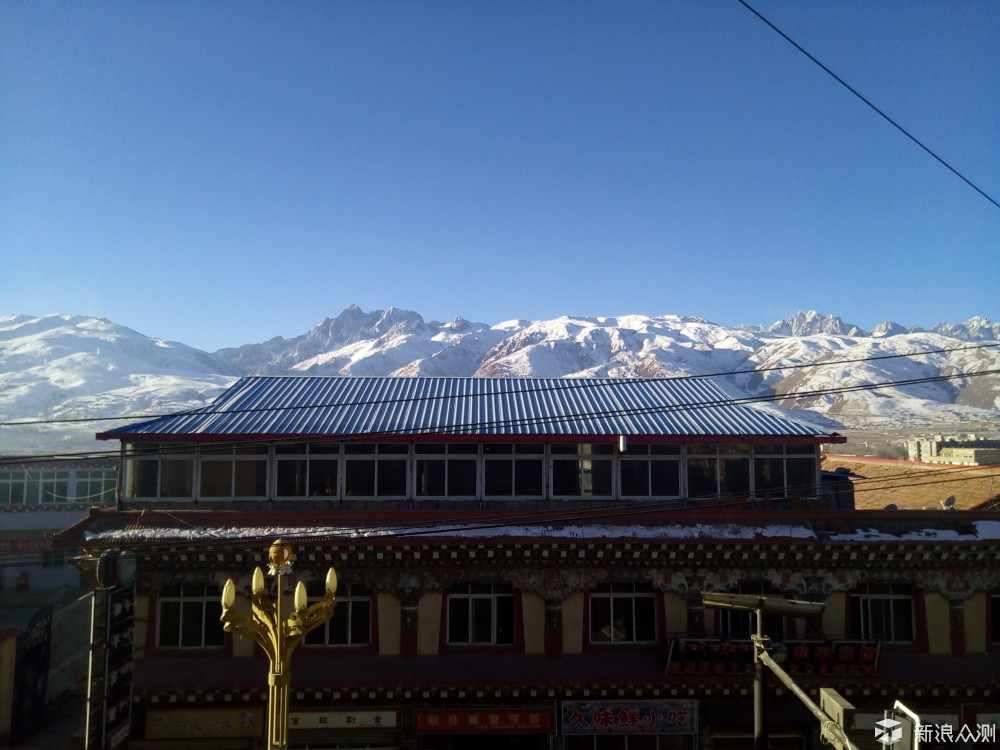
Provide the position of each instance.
(521, 563)
(44, 617)
(965, 450)
(40, 498)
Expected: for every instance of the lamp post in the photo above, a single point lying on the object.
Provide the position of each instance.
(278, 633)
(760, 605)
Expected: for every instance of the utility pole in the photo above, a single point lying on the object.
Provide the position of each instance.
(831, 730)
(278, 633)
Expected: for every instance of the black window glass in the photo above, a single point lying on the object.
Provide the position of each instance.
(430, 478)
(322, 477)
(391, 478)
(702, 480)
(665, 478)
(291, 478)
(528, 477)
(461, 478)
(359, 479)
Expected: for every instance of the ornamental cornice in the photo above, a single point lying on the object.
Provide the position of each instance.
(953, 583)
(409, 585)
(554, 584)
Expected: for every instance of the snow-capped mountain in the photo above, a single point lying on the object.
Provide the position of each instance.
(65, 367)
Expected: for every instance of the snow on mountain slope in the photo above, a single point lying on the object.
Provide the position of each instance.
(61, 367)
(73, 367)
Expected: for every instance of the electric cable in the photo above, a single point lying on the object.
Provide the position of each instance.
(459, 428)
(878, 111)
(608, 510)
(567, 383)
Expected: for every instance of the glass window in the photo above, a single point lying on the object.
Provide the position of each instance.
(801, 473)
(229, 472)
(461, 478)
(513, 471)
(803, 449)
(734, 476)
(359, 478)
(324, 449)
(391, 478)
(431, 478)
(188, 617)
(351, 624)
(634, 478)
(216, 479)
(323, 477)
(642, 477)
(250, 478)
(769, 477)
(702, 449)
(883, 612)
(358, 449)
(702, 477)
(581, 477)
(447, 476)
(481, 614)
(176, 477)
(622, 613)
(95, 485)
(141, 477)
(290, 478)
(737, 625)
(584, 449)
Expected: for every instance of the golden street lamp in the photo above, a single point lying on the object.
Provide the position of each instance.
(278, 633)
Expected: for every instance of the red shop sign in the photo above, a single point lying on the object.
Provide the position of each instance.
(485, 720)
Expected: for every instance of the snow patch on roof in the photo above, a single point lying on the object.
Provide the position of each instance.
(984, 530)
(134, 533)
(594, 531)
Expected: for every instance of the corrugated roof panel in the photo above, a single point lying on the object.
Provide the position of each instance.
(306, 405)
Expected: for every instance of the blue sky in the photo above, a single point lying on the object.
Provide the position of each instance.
(219, 173)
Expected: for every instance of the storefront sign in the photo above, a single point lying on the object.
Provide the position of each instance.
(21, 546)
(384, 719)
(485, 720)
(202, 723)
(629, 717)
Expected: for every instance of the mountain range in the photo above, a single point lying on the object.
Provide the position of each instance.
(92, 371)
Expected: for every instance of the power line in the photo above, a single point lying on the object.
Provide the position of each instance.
(564, 385)
(882, 114)
(459, 428)
(609, 510)
(606, 510)
(567, 383)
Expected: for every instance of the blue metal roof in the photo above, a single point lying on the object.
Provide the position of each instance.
(352, 406)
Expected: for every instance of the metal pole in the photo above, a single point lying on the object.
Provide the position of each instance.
(759, 686)
(832, 732)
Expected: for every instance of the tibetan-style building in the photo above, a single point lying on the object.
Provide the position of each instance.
(520, 564)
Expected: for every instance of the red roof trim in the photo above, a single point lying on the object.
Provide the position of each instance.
(455, 438)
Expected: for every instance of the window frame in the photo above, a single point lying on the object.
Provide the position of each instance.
(629, 594)
(521, 457)
(357, 600)
(473, 595)
(860, 613)
(184, 596)
(452, 459)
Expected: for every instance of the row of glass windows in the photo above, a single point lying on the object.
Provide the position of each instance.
(470, 470)
(486, 615)
(57, 486)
